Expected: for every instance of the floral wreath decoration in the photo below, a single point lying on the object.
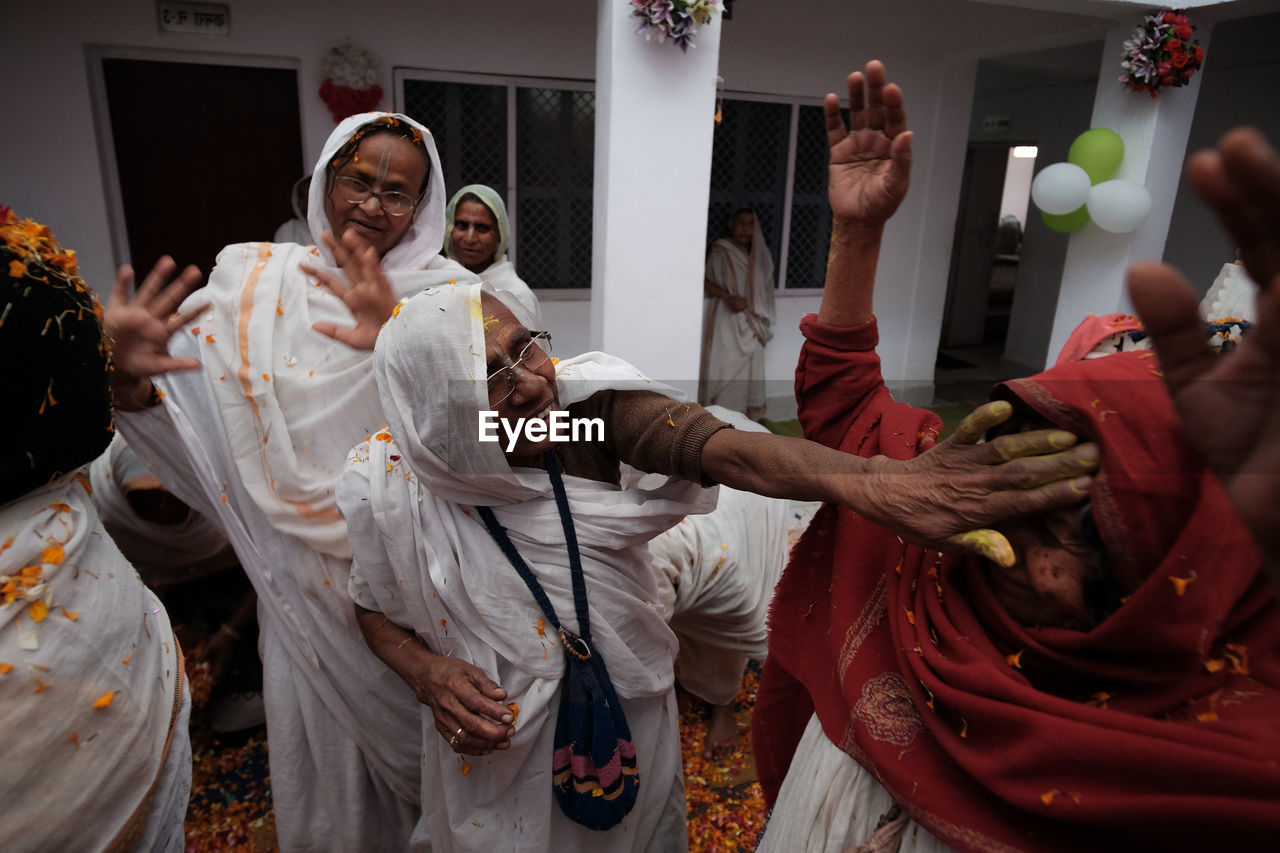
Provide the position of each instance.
(1161, 54)
(677, 20)
(350, 74)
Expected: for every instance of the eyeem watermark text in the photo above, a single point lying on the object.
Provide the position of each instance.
(557, 426)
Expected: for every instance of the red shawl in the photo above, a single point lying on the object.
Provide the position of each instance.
(1158, 729)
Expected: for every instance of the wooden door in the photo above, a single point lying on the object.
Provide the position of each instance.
(206, 155)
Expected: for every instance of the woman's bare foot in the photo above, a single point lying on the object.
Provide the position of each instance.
(722, 732)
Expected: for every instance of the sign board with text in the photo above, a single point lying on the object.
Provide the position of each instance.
(210, 19)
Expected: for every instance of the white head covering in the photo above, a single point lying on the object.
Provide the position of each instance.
(425, 560)
(759, 289)
(501, 273)
(435, 420)
(489, 198)
(292, 400)
(422, 241)
(430, 363)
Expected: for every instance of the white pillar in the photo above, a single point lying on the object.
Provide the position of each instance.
(1155, 141)
(655, 109)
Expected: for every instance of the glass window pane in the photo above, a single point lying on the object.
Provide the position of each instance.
(810, 213)
(555, 157)
(469, 123)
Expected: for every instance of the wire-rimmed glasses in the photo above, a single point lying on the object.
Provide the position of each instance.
(534, 354)
(357, 191)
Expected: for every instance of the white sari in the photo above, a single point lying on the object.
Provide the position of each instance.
(716, 574)
(91, 690)
(163, 554)
(423, 558)
(256, 441)
(732, 369)
(501, 273)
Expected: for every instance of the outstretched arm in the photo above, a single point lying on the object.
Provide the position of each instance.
(1230, 404)
(942, 499)
(868, 176)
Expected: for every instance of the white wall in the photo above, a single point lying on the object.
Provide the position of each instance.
(49, 167)
(1048, 113)
(49, 164)
(1239, 65)
(930, 48)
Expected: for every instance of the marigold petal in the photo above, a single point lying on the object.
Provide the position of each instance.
(104, 700)
(38, 611)
(1180, 584)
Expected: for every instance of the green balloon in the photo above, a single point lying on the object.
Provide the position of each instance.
(1099, 152)
(1065, 223)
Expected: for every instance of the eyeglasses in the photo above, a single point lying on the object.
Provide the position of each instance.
(357, 191)
(502, 382)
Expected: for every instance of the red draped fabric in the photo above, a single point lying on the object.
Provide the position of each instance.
(1157, 729)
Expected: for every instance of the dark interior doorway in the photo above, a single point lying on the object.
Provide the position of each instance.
(206, 155)
(975, 305)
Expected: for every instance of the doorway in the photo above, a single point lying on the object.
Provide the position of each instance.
(986, 250)
(198, 154)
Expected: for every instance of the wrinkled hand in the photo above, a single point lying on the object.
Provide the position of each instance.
(462, 697)
(736, 304)
(946, 497)
(369, 297)
(1229, 404)
(870, 166)
(140, 328)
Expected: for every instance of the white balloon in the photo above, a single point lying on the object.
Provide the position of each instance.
(1060, 188)
(1119, 206)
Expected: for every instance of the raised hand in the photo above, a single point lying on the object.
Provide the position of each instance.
(870, 165)
(140, 328)
(1229, 404)
(369, 296)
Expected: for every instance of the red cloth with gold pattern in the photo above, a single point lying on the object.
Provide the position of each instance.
(1157, 729)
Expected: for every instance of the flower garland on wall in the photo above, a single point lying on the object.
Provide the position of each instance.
(677, 20)
(350, 74)
(1161, 54)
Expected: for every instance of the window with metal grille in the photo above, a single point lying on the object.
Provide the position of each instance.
(771, 156)
(531, 140)
(749, 167)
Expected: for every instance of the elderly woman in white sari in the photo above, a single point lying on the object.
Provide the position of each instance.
(92, 695)
(477, 233)
(737, 317)
(440, 522)
(249, 422)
